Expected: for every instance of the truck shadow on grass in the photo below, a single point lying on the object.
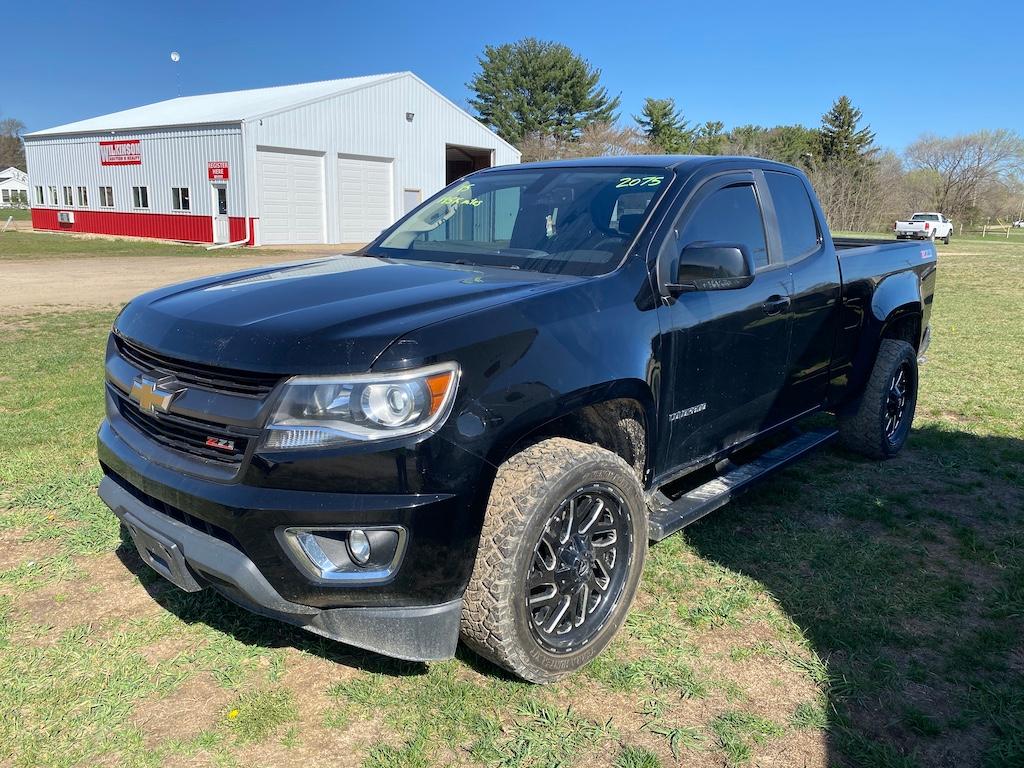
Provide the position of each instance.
(907, 579)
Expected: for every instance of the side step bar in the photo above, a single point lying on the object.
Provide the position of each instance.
(668, 516)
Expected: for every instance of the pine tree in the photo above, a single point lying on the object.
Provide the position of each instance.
(539, 89)
(842, 141)
(711, 138)
(664, 126)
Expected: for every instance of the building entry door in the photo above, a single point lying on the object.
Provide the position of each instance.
(221, 224)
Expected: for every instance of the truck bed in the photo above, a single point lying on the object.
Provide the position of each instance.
(845, 243)
(868, 260)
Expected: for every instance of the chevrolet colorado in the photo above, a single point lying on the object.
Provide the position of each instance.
(474, 425)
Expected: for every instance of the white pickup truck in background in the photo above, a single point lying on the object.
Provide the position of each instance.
(925, 226)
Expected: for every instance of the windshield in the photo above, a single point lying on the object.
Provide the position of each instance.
(925, 217)
(575, 221)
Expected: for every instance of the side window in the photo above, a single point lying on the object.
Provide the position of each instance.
(797, 226)
(730, 215)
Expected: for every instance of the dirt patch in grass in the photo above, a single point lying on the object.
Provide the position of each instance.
(803, 749)
(769, 683)
(168, 648)
(197, 705)
(306, 744)
(306, 740)
(309, 677)
(108, 591)
(15, 552)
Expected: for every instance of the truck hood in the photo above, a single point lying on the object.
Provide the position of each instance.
(332, 315)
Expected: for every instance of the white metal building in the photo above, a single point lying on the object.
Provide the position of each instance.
(13, 188)
(329, 162)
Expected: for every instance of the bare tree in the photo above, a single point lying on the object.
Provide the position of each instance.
(596, 140)
(967, 165)
(12, 150)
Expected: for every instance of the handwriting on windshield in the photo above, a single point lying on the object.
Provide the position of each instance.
(456, 200)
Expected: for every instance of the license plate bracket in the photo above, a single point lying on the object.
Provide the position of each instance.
(163, 556)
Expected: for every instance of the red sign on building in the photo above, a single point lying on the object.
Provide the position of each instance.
(121, 152)
(217, 170)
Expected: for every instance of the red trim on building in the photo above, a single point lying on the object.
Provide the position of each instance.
(166, 226)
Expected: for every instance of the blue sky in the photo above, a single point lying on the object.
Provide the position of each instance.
(911, 67)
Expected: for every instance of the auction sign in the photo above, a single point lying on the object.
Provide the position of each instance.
(217, 170)
(120, 152)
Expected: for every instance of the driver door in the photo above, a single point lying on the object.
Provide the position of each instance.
(726, 350)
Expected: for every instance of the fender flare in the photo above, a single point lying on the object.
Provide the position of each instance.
(896, 297)
(539, 416)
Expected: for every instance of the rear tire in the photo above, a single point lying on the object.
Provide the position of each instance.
(535, 603)
(945, 240)
(879, 426)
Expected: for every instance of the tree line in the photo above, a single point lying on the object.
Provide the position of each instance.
(549, 102)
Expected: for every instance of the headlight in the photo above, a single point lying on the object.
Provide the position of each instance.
(316, 411)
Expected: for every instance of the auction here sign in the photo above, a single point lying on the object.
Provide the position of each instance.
(217, 170)
(121, 152)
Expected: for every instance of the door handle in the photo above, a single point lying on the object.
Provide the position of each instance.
(775, 304)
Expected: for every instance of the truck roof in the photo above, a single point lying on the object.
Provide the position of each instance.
(683, 163)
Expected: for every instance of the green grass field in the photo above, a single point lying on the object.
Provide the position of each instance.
(19, 214)
(46, 245)
(845, 613)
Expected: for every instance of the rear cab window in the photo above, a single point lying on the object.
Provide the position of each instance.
(798, 226)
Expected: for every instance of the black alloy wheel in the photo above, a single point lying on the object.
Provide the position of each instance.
(896, 401)
(579, 568)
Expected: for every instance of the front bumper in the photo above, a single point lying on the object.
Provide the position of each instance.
(193, 559)
(442, 528)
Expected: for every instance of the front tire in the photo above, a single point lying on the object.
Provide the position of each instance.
(879, 426)
(563, 544)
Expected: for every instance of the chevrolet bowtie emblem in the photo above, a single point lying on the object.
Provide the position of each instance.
(155, 395)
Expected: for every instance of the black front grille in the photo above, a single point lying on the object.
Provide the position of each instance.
(183, 434)
(196, 374)
(173, 512)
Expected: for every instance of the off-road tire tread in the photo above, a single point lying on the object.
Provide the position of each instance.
(519, 488)
(860, 430)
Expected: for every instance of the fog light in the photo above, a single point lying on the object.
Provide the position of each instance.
(357, 555)
(359, 546)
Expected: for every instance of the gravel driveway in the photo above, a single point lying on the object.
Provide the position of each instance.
(58, 283)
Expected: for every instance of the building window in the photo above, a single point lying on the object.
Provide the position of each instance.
(140, 197)
(83, 196)
(106, 197)
(180, 199)
(5, 195)
(68, 199)
(40, 200)
(53, 195)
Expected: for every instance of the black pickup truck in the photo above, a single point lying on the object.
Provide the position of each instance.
(474, 425)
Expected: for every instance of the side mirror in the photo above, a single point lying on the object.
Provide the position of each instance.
(714, 267)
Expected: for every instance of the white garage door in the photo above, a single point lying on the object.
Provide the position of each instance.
(365, 198)
(291, 197)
